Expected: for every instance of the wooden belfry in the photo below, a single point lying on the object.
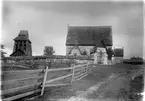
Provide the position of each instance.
(22, 45)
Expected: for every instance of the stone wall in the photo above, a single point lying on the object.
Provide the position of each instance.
(117, 60)
(52, 59)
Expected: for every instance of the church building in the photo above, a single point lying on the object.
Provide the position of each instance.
(90, 40)
(22, 45)
(83, 40)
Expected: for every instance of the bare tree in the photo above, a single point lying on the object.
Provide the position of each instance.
(48, 50)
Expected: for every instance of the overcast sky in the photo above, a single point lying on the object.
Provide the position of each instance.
(47, 23)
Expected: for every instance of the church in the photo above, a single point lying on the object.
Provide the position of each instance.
(84, 39)
(89, 40)
(22, 45)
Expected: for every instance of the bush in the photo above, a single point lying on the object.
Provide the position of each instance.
(134, 60)
(48, 50)
(128, 95)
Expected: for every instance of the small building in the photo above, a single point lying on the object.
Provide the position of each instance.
(22, 45)
(118, 55)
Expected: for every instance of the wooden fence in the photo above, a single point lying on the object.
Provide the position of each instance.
(21, 83)
(80, 71)
(77, 72)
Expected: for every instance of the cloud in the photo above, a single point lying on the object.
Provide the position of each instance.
(47, 22)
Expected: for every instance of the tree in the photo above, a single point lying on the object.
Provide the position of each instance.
(2, 52)
(48, 50)
(110, 53)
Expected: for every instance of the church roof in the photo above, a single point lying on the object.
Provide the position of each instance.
(23, 35)
(88, 35)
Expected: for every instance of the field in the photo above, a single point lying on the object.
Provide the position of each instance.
(98, 73)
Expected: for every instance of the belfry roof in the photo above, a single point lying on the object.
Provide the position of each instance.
(23, 35)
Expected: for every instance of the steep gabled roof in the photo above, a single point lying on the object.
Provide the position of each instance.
(23, 35)
(88, 35)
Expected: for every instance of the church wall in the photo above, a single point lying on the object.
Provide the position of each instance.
(117, 60)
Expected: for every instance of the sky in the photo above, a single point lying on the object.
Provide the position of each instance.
(47, 23)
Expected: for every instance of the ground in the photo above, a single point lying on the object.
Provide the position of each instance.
(104, 83)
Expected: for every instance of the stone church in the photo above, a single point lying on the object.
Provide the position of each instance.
(88, 40)
(83, 39)
(22, 45)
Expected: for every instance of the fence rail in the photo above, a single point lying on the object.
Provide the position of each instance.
(16, 80)
(19, 88)
(21, 95)
(22, 83)
(80, 70)
(20, 71)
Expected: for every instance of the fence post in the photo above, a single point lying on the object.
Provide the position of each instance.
(44, 80)
(89, 70)
(72, 80)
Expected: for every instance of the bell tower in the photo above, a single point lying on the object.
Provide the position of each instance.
(22, 45)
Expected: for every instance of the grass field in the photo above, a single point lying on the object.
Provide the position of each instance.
(12, 75)
(98, 73)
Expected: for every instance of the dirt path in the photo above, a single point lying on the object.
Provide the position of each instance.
(66, 92)
(109, 89)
